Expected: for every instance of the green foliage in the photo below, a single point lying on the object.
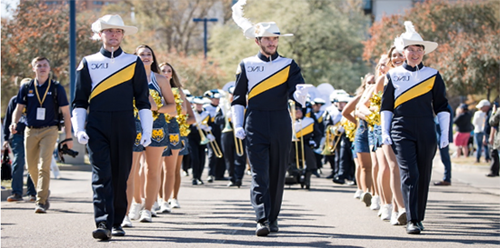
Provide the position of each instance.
(326, 42)
(36, 31)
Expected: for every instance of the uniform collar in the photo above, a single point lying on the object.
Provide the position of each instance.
(107, 53)
(266, 59)
(410, 68)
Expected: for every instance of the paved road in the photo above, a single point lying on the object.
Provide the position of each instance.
(466, 214)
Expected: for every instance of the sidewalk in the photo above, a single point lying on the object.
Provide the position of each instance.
(466, 214)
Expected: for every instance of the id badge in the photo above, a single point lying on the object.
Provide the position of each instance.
(40, 114)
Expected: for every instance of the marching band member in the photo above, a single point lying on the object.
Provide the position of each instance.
(318, 116)
(198, 140)
(216, 165)
(343, 153)
(108, 92)
(413, 94)
(308, 137)
(235, 163)
(264, 83)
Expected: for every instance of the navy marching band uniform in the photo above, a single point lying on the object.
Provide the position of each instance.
(235, 164)
(216, 166)
(414, 95)
(307, 130)
(106, 85)
(269, 83)
(196, 150)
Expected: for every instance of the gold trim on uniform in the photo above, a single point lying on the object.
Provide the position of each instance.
(120, 77)
(306, 130)
(271, 82)
(416, 91)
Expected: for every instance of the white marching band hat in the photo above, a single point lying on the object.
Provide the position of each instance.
(109, 22)
(411, 37)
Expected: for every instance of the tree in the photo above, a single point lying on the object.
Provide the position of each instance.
(326, 42)
(36, 30)
(468, 55)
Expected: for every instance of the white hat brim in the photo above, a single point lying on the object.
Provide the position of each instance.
(250, 34)
(429, 45)
(128, 30)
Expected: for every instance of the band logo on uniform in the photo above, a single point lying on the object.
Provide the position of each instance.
(174, 138)
(401, 78)
(158, 134)
(99, 66)
(255, 68)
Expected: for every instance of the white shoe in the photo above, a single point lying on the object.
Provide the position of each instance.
(146, 216)
(386, 212)
(358, 194)
(126, 222)
(153, 213)
(174, 203)
(375, 203)
(156, 206)
(394, 219)
(165, 208)
(380, 212)
(135, 211)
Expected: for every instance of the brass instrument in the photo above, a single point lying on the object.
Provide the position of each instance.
(332, 132)
(204, 139)
(294, 137)
(224, 104)
(213, 144)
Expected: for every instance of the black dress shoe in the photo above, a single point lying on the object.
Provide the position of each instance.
(102, 232)
(491, 175)
(262, 229)
(339, 180)
(117, 231)
(273, 226)
(195, 182)
(412, 228)
(442, 183)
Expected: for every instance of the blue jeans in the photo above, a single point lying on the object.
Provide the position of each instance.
(17, 145)
(479, 142)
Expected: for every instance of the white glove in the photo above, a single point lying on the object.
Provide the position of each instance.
(146, 117)
(82, 137)
(206, 128)
(386, 120)
(300, 94)
(210, 137)
(238, 117)
(78, 122)
(444, 125)
(239, 132)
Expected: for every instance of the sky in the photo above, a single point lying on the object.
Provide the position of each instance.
(6, 3)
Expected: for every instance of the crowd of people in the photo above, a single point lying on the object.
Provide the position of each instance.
(142, 129)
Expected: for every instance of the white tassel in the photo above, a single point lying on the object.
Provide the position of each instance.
(238, 18)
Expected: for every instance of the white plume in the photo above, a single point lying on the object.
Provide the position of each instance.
(242, 22)
(409, 27)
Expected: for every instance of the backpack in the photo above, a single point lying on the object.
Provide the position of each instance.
(57, 110)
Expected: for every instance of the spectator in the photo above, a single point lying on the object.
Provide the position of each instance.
(462, 121)
(41, 125)
(479, 122)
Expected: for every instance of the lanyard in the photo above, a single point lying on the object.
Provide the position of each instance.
(46, 91)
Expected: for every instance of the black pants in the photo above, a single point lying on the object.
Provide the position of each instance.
(197, 156)
(495, 164)
(414, 143)
(111, 138)
(216, 166)
(268, 146)
(235, 164)
(345, 161)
